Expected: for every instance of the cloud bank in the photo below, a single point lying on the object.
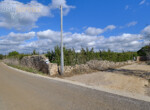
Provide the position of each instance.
(48, 39)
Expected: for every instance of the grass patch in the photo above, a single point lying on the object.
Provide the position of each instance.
(27, 69)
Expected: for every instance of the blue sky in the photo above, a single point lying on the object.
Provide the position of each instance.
(101, 24)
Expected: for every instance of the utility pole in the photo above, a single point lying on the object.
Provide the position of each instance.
(62, 53)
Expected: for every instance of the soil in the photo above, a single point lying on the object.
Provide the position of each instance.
(130, 78)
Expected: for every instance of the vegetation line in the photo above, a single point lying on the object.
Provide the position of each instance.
(71, 57)
(26, 69)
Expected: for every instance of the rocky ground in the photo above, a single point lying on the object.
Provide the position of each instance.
(130, 78)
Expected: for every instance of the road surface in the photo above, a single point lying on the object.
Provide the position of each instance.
(19, 91)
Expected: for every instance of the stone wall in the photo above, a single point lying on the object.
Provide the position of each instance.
(141, 58)
(105, 65)
(38, 62)
(77, 69)
(12, 61)
(42, 64)
(53, 69)
(94, 65)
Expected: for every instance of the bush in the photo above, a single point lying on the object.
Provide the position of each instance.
(1, 56)
(143, 51)
(13, 54)
(35, 53)
(17, 55)
(72, 58)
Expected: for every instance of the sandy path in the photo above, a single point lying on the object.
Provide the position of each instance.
(120, 82)
(135, 66)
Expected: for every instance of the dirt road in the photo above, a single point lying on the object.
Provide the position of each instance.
(130, 78)
(20, 91)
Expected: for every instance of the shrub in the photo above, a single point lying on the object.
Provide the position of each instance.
(17, 55)
(13, 54)
(35, 53)
(1, 56)
(72, 58)
(143, 51)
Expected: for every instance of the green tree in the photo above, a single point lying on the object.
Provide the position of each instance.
(13, 54)
(34, 52)
(1, 56)
(71, 57)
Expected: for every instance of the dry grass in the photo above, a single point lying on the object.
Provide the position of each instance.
(27, 69)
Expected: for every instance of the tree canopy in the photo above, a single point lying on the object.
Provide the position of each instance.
(144, 50)
(14, 53)
(1, 56)
(71, 57)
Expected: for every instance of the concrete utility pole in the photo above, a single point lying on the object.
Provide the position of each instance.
(62, 53)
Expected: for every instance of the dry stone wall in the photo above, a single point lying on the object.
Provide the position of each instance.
(104, 65)
(38, 62)
(41, 63)
(12, 61)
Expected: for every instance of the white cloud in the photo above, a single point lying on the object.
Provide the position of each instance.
(146, 32)
(142, 2)
(130, 24)
(14, 14)
(126, 41)
(20, 16)
(133, 23)
(48, 39)
(94, 31)
(56, 4)
(97, 31)
(18, 36)
(13, 41)
(48, 34)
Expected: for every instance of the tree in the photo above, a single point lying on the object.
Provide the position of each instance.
(1, 56)
(144, 51)
(57, 54)
(71, 57)
(13, 54)
(34, 52)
